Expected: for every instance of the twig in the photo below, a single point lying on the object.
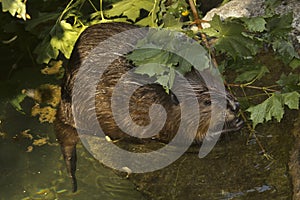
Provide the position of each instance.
(253, 133)
(198, 22)
(268, 88)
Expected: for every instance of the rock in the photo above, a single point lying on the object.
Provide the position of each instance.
(292, 6)
(237, 8)
(254, 8)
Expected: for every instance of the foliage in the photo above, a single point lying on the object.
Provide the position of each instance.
(242, 39)
(273, 107)
(161, 53)
(255, 74)
(130, 8)
(14, 7)
(289, 82)
(231, 38)
(55, 26)
(61, 38)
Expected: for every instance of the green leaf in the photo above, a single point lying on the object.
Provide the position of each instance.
(270, 6)
(253, 74)
(171, 21)
(164, 81)
(172, 74)
(149, 54)
(151, 19)
(129, 8)
(16, 102)
(295, 63)
(230, 38)
(62, 37)
(291, 99)
(151, 69)
(170, 48)
(13, 7)
(195, 55)
(279, 26)
(46, 51)
(273, 107)
(289, 83)
(42, 18)
(165, 75)
(257, 113)
(255, 24)
(65, 38)
(285, 49)
(147, 21)
(162, 52)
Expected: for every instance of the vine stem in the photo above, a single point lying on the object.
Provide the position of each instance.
(93, 6)
(198, 22)
(152, 12)
(268, 88)
(253, 133)
(64, 11)
(101, 11)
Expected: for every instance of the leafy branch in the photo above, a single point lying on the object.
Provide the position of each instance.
(15, 8)
(233, 45)
(199, 22)
(264, 88)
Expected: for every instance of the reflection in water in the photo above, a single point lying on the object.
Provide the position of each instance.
(241, 194)
(40, 174)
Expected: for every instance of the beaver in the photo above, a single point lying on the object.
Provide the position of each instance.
(140, 100)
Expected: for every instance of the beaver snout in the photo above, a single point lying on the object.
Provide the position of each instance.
(237, 122)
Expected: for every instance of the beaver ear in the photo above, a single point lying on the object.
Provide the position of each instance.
(174, 99)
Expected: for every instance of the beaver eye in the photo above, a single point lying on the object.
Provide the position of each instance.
(207, 102)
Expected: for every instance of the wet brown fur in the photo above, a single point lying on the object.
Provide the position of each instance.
(139, 105)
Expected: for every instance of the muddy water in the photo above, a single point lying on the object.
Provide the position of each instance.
(41, 174)
(235, 169)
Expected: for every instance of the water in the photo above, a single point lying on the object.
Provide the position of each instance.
(41, 174)
(235, 169)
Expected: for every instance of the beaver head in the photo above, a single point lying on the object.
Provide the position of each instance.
(227, 117)
(218, 108)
